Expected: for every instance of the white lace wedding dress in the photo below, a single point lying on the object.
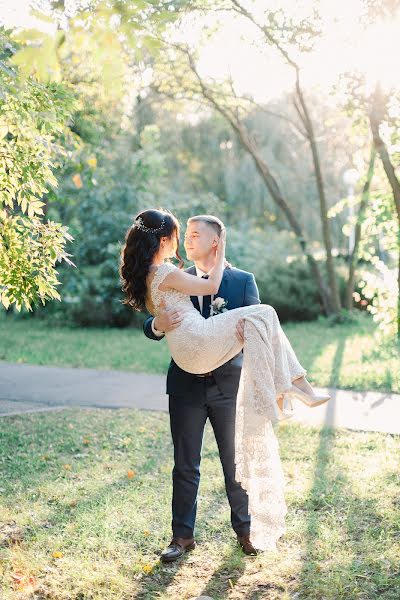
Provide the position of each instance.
(270, 365)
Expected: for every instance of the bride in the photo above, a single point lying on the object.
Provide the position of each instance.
(270, 374)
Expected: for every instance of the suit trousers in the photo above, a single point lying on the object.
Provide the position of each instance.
(188, 416)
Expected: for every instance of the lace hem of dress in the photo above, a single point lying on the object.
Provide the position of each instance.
(267, 370)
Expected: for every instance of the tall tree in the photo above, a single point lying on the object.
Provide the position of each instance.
(270, 30)
(377, 116)
(184, 80)
(353, 258)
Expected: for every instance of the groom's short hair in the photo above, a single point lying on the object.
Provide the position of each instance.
(210, 220)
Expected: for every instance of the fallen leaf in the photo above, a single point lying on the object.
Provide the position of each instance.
(147, 569)
(86, 441)
(24, 583)
(77, 179)
(146, 532)
(67, 467)
(72, 503)
(142, 429)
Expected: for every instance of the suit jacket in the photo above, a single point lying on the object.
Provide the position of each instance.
(238, 288)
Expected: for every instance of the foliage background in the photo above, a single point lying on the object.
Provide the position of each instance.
(120, 138)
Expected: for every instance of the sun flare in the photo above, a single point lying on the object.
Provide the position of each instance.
(378, 56)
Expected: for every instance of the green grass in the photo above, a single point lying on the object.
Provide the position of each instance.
(349, 356)
(65, 489)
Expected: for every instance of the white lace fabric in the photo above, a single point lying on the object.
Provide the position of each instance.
(270, 365)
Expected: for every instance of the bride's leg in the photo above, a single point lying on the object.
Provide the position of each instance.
(305, 391)
(282, 346)
(304, 385)
(286, 359)
(282, 363)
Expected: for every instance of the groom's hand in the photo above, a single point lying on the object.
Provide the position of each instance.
(240, 330)
(167, 319)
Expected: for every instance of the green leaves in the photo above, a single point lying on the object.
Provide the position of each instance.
(38, 56)
(29, 250)
(32, 116)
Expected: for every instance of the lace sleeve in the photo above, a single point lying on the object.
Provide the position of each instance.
(161, 273)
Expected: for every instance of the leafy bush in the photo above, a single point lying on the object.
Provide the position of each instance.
(284, 280)
(283, 277)
(32, 118)
(290, 289)
(92, 296)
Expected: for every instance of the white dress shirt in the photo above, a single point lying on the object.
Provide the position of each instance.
(199, 273)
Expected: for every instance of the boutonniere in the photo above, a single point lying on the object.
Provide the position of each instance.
(218, 305)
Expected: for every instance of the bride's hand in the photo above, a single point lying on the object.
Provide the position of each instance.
(222, 243)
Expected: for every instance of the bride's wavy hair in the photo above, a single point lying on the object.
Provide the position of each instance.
(142, 242)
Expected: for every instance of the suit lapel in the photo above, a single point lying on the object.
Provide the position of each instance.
(195, 302)
(222, 288)
(221, 291)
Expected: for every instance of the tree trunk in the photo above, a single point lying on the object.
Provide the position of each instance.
(375, 119)
(304, 115)
(277, 196)
(357, 232)
(271, 184)
(326, 232)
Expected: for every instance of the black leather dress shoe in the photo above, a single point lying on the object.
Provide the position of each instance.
(177, 548)
(246, 545)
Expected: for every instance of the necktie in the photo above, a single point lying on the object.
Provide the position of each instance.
(206, 303)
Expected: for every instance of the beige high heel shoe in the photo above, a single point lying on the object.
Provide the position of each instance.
(307, 399)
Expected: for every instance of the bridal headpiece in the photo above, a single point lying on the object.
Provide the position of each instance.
(140, 225)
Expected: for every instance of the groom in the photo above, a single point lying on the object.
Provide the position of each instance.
(195, 398)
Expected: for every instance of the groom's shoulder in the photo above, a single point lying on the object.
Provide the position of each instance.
(232, 272)
(239, 274)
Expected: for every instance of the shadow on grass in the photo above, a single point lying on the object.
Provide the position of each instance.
(223, 578)
(224, 570)
(30, 478)
(321, 484)
(151, 588)
(353, 573)
(59, 512)
(229, 571)
(217, 559)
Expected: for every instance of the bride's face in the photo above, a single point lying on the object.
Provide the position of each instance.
(169, 247)
(200, 240)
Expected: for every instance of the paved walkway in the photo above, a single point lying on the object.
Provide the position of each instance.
(29, 388)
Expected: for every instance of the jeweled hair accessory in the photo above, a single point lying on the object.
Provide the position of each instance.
(140, 225)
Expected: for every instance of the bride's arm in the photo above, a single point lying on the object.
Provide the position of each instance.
(196, 286)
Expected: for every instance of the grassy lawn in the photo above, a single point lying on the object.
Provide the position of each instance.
(85, 511)
(346, 356)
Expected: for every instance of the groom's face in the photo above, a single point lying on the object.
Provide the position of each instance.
(201, 240)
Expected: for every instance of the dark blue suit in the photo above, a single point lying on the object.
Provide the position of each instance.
(192, 400)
